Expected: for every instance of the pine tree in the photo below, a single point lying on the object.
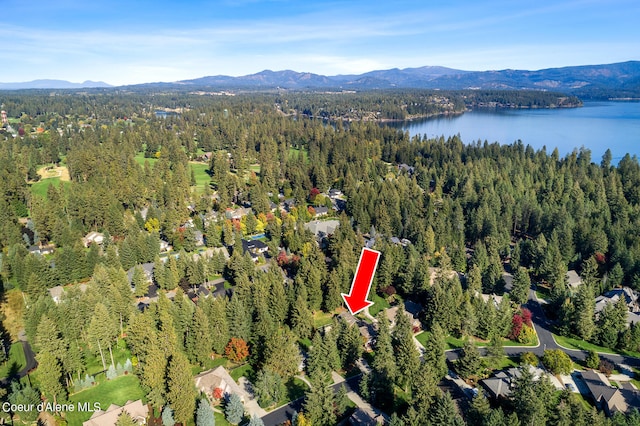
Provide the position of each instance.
(443, 412)
(319, 405)
(167, 416)
(139, 281)
(407, 355)
(435, 351)
(204, 414)
(301, 316)
(521, 284)
(124, 419)
(269, 388)
(384, 368)
(282, 354)
(255, 421)
(199, 339)
(342, 401)
(234, 411)
(50, 377)
(181, 392)
(469, 362)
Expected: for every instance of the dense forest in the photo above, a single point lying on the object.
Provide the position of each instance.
(478, 209)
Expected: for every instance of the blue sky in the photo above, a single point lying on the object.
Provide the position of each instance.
(136, 41)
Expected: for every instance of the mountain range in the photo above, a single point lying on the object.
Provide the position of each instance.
(619, 79)
(53, 84)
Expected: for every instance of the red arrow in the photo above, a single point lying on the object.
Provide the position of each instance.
(356, 300)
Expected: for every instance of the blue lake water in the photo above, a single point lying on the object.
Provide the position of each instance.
(596, 126)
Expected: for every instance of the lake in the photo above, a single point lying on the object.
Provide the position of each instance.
(596, 126)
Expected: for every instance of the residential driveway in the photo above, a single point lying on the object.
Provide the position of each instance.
(568, 380)
(251, 405)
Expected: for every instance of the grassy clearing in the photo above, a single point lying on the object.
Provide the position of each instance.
(94, 363)
(571, 343)
(295, 153)
(255, 168)
(505, 362)
(116, 391)
(220, 420)
(379, 303)
(140, 159)
(202, 177)
(457, 343)
(16, 361)
(210, 364)
(244, 370)
(40, 188)
(320, 319)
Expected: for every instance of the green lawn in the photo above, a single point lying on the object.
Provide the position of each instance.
(117, 391)
(244, 370)
(294, 153)
(140, 159)
(16, 361)
(40, 188)
(320, 319)
(379, 303)
(571, 343)
(209, 364)
(202, 177)
(220, 420)
(255, 168)
(505, 362)
(457, 343)
(94, 363)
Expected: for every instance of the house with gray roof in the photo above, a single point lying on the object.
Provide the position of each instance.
(608, 398)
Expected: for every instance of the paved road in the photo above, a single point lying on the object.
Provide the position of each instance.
(543, 328)
(30, 359)
(284, 413)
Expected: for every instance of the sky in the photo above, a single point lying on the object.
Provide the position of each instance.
(129, 42)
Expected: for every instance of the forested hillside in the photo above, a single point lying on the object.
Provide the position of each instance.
(105, 163)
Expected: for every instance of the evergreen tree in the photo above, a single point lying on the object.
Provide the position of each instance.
(301, 317)
(204, 414)
(255, 421)
(384, 369)
(443, 412)
(470, 361)
(269, 388)
(234, 411)
(50, 377)
(407, 355)
(181, 392)
(495, 349)
(199, 339)
(167, 416)
(521, 284)
(319, 405)
(435, 351)
(124, 419)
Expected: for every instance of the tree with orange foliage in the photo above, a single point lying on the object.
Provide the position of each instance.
(237, 350)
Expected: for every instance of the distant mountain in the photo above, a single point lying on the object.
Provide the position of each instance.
(52, 84)
(610, 79)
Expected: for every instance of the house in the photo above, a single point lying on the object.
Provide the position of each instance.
(147, 268)
(136, 409)
(56, 293)
(289, 203)
(630, 298)
(391, 316)
(334, 193)
(347, 317)
(165, 246)
(573, 280)
(208, 381)
(254, 247)
(500, 384)
(406, 168)
(199, 237)
(608, 398)
(238, 213)
(322, 229)
(362, 417)
(93, 237)
(321, 211)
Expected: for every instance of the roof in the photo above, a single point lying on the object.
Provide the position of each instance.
(56, 293)
(347, 317)
(361, 417)
(322, 227)
(135, 409)
(573, 279)
(208, 381)
(321, 210)
(497, 387)
(599, 386)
